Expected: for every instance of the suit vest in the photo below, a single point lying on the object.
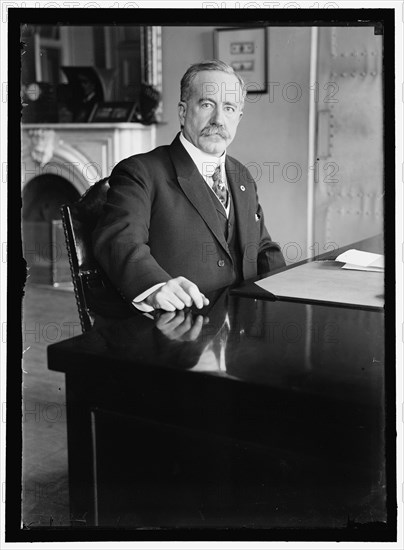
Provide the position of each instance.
(228, 225)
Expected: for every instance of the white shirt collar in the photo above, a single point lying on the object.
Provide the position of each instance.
(205, 163)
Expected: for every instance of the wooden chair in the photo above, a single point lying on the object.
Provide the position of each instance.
(95, 295)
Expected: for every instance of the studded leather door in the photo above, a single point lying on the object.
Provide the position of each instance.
(348, 189)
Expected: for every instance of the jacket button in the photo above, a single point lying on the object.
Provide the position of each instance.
(220, 263)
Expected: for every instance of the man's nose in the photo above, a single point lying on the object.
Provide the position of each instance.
(218, 116)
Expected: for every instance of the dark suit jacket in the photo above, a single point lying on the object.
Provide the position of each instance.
(160, 222)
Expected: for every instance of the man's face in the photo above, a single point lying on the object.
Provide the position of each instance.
(211, 114)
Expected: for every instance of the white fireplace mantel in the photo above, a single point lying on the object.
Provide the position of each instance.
(82, 153)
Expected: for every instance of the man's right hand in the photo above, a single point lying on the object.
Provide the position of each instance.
(177, 293)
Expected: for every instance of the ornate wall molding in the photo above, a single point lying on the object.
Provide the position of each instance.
(42, 144)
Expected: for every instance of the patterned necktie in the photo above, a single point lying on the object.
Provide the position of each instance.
(219, 187)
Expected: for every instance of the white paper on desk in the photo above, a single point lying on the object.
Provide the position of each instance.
(361, 261)
(324, 282)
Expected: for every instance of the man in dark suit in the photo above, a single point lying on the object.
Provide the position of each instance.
(185, 219)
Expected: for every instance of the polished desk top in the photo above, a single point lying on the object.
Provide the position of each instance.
(262, 341)
(312, 348)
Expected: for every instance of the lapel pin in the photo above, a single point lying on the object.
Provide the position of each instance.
(242, 187)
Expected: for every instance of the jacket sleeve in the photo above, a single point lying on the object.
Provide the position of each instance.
(269, 255)
(121, 236)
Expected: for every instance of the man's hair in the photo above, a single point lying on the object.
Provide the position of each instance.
(210, 65)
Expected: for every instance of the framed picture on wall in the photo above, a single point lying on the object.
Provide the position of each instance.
(246, 51)
(112, 111)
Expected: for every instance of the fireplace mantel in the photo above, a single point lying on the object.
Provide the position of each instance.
(82, 153)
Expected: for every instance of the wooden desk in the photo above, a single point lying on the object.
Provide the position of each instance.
(282, 429)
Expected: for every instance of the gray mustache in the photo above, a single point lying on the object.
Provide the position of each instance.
(212, 130)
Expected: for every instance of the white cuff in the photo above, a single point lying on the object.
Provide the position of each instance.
(138, 302)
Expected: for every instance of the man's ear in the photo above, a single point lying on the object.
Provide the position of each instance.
(182, 109)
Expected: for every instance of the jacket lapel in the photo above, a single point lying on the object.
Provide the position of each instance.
(196, 190)
(239, 187)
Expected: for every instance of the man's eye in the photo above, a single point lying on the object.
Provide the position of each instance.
(230, 109)
(206, 105)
